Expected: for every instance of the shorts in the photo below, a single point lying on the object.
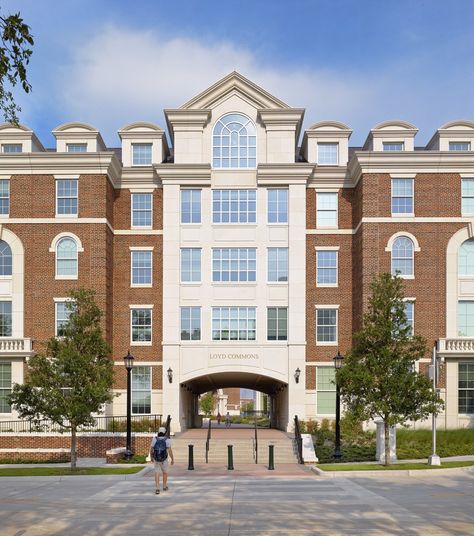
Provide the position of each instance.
(162, 466)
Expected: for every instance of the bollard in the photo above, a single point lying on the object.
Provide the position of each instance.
(271, 466)
(191, 458)
(230, 458)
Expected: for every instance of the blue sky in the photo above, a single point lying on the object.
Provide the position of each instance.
(111, 62)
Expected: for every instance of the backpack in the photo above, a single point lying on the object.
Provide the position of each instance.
(160, 452)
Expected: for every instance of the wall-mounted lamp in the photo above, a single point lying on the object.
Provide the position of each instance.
(297, 375)
(170, 375)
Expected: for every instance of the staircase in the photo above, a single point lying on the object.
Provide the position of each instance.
(243, 447)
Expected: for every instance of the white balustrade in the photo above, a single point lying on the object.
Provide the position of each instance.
(12, 346)
(461, 345)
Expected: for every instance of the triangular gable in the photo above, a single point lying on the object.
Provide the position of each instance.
(234, 83)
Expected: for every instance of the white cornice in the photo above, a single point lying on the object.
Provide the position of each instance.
(287, 117)
(283, 173)
(105, 163)
(330, 176)
(409, 162)
(184, 174)
(137, 177)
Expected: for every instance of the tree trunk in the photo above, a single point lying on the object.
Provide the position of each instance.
(73, 447)
(387, 442)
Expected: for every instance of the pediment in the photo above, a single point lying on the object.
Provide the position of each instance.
(234, 84)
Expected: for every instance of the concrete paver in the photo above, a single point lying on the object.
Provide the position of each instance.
(233, 505)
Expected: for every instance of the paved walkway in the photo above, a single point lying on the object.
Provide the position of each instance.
(309, 505)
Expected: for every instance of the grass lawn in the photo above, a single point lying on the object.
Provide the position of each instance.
(393, 467)
(66, 471)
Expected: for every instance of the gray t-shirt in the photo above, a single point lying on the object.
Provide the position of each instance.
(168, 442)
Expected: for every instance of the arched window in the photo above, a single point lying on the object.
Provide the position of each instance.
(234, 142)
(402, 256)
(66, 258)
(5, 259)
(466, 258)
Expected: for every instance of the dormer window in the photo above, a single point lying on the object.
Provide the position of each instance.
(459, 146)
(234, 142)
(11, 148)
(328, 154)
(141, 154)
(393, 146)
(76, 147)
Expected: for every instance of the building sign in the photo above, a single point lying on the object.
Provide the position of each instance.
(216, 357)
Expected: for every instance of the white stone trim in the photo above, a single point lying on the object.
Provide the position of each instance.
(57, 238)
(141, 248)
(391, 240)
(139, 306)
(141, 343)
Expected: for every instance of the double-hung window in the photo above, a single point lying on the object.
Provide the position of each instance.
(326, 209)
(459, 146)
(326, 390)
(141, 390)
(140, 319)
(409, 312)
(326, 325)
(5, 386)
(4, 197)
(76, 147)
(393, 146)
(234, 323)
(277, 323)
(190, 265)
(141, 154)
(6, 259)
(467, 196)
(402, 257)
(328, 154)
(277, 265)
(402, 197)
(326, 268)
(67, 260)
(66, 197)
(234, 264)
(142, 210)
(190, 206)
(141, 268)
(466, 388)
(190, 323)
(63, 312)
(277, 205)
(5, 318)
(12, 148)
(234, 206)
(465, 318)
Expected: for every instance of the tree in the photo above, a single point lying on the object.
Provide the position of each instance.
(247, 407)
(378, 378)
(207, 403)
(72, 378)
(15, 53)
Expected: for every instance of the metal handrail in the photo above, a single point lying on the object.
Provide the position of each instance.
(208, 440)
(101, 424)
(256, 442)
(299, 440)
(168, 426)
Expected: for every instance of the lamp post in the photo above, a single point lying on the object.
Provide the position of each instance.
(434, 459)
(128, 362)
(337, 449)
(297, 375)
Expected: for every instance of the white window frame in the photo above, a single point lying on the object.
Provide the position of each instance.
(239, 200)
(134, 249)
(191, 211)
(321, 249)
(136, 144)
(458, 143)
(69, 146)
(387, 144)
(250, 160)
(277, 282)
(240, 260)
(6, 214)
(277, 332)
(322, 144)
(56, 302)
(463, 389)
(278, 190)
(132, 211)
(325, 307)
(11, 145)
(10, 301)
(141, 343)
(192, 282)
(412, 197)
(244, 317)
(151, 389)
(66, 276)
(463, 181)
(412, 301)
(336, 210)
(71, 215)
(190, 340)
(318, 368)
(5, 362)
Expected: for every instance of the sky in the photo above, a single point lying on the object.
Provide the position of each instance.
(361, 62)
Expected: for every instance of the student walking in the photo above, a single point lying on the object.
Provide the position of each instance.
(161, 454)
(227, 420)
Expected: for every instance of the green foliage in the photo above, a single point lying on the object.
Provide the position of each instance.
(15, 53)
(352, 453)
(396, 467)
(378, 378)
(247, 407)
(72, 378)
(65, 471)
(207, 403)
(137, 425)
(414, 444)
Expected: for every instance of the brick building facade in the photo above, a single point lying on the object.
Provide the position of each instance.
(229, 261)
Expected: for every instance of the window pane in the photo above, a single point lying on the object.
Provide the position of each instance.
(141, 154)
(190, 265)
(76, 147)
(402, 196)
(234, 132)
(4, 196)
(459, 146)
(326, 211)
(466, 319)
(66, 202)
(141, 390)
(277, 324)
(141, 325)
(466, 388)
(141, 267)
(12, 148)
(233, 323)
(5, 318)
(190, 206)
(327, 153)
(402, 256)
(234, 206)
(142, 210)
(234, 264)
(66, 257)
(278, 206)
(326, 328)
(62, 317)
(190, 323)
(5, 386)
(326, 263)
(5, 259)
(393, 146)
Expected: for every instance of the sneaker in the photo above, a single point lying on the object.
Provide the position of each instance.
(165, 489)
(157, 492)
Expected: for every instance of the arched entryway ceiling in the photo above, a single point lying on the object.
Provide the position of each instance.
(212, 382)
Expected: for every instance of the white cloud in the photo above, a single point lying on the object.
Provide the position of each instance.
(123, 75)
